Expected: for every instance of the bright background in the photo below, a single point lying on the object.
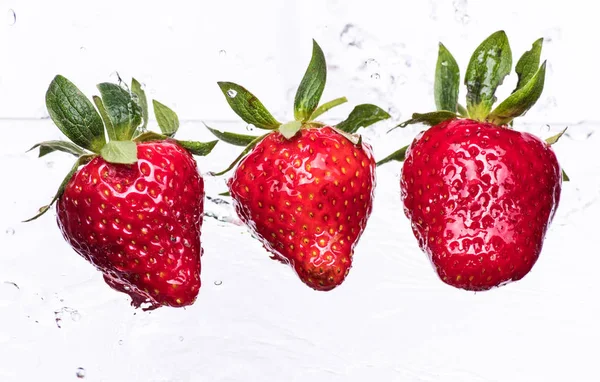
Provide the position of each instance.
(392, 320)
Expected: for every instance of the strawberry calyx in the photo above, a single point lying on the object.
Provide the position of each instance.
(490, 63)
(120, 114)
(306, 110)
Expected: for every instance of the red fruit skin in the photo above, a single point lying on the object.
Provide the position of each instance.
(308, 200)
(480, 198)
(139, 224)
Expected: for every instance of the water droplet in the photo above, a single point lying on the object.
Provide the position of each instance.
(218, 282)
(12, 17)
(9, 291)
(350, 36)
(120, 342)
(80, 373)
(50, 164)
(10, 231)
(222, 53)
(444, 63)
(180, 338)
(371, 63)
(231, 93)
(250, 128)
(375, 76)
(460, 11)
(75, 316)
(186, 243)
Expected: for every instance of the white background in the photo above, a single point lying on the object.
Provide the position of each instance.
(392, 320)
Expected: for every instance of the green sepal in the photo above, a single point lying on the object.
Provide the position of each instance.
(232, 138)
(398, 155)
(354, 139)
(489, 64)
(362, 116)
(447, 81)
(166, 118)
(289, 129)
(247, 106)
(48, 147)
(110, 129)
(326, 107)
(565, 177)
(226, 193)
(462, 111)
(429, 119)
(312, 85)
(519, 102)
(528, 64)
(142, 101)
(80, 161)
(120, 152)
(124, 113)
(241, 156)
(74, 114)
(198, 148)
(553, 139)
(194, 147)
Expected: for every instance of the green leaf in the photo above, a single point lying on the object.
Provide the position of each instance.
(429, 119)
(124, 113)
(520, 101)
(553, 139)
(288, 130)
(140, 97)
(198, 148)
(166, 118)
(565, 177)
(528, 64)
(64, 146)
(490, 63)
(226, 193)
(80, 162)
(150, 136)
(326, 107)
(122, 152)
(447, 81)
(232, 138)
(398, 155)
(311, 87)
(110, 129)
(74, 114)
(242, 155)
(362, 116)
(247, 106)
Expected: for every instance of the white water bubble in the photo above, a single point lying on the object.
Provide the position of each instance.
(12, 17)
(218, 282)
(80, 373)
(222, 53)
(375, 76)
(231, 93)
(10, 231)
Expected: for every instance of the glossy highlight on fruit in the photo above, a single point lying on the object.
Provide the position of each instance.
(139, 224)
(480, 198)
(308, 200)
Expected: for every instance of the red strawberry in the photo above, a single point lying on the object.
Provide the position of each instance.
(480, 198)
(305, 190)
(480, 195)
(308, 200)
(135, 211)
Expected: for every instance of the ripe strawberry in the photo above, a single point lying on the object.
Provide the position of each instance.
(135, 211)
(480, 195)
(306, 189)
(308, 200)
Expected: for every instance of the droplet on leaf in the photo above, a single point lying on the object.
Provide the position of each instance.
(231, 93)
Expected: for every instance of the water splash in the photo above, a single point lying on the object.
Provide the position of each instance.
(351, 36)
(460, 11)
(12, 17)
(59, 315)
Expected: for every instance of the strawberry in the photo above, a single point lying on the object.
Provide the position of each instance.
(480, 196)
(304, 189)
(132, 208)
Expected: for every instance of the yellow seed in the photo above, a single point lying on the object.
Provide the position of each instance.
(343, 170)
